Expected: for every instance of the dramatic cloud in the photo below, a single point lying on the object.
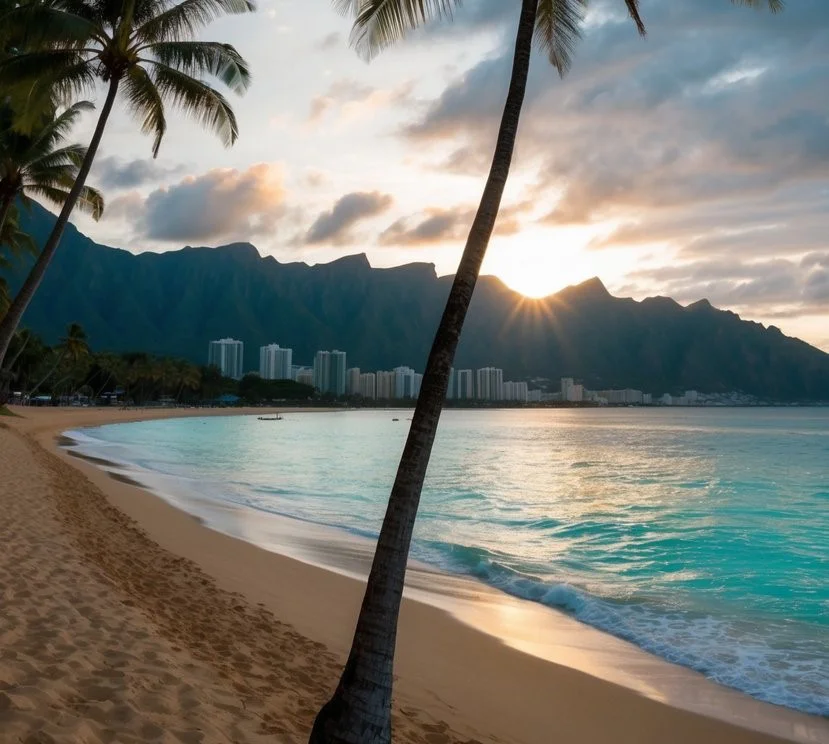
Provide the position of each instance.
(710, 139)
(116, 173)
(334, 226)
(221, 204)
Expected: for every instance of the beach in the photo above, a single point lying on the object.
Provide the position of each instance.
(125, 619)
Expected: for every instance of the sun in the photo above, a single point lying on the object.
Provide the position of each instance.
(538, 263)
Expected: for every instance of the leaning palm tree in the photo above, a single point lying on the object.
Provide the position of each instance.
(143, 48)
(360, 710)
(38, 164)
(73, 347)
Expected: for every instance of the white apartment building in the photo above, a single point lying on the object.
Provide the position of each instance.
(275, 363)
(570, 391)
(228, 355)
(368, 385)
(385, 385)
(305, 376)
(352, 381)
(490, 384)
(329, 371)
(451, 390)
(404, 381)
(516, 392)
(466, 387)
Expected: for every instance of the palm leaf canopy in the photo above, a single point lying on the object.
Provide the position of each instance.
(35, 164)
(381, 23)
(148, 47)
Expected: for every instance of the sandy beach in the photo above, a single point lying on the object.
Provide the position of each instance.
(126, 620)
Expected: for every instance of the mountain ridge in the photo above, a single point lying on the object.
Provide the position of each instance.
(174, 303)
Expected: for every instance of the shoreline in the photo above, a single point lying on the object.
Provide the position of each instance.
(450, 659)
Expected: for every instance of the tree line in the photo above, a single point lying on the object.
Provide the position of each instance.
(70, 370)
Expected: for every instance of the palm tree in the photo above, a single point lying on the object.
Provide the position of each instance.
(360, 710)
(189, 377)
(14, 244)
(34, 164)
(147, 48)
(73, 348)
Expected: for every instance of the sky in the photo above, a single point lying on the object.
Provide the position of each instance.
(693, 163)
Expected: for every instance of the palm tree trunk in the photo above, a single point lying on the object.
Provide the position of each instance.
(6, 202)
(48, 374)
(12, 318)
(6, 374)
(360, 710)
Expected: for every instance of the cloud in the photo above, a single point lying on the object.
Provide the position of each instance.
(430, 227)
(334, 225)
(116, 173)
(776, 287)
(223, 203)
(352, 99)
(708, 139)
(437, 225)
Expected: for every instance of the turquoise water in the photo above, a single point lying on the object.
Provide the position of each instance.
(700, 535)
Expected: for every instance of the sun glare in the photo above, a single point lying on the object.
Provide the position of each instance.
(539, 263)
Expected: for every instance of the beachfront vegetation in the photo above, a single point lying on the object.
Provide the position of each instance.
(71, 372)
(145, 49)
(360, 710)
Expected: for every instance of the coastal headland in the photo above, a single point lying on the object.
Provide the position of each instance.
(127, 620)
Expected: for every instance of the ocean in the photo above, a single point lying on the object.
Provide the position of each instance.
(700, 535)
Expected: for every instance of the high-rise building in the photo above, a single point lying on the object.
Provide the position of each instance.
(329, 372)
(305, 376)
(451, 390)
(275, 363)
(534, 396)
(466, 387)
(418, 381)
(385, 385)
(228, 355)
(570, 391)
(490, 384)
(515, 392)
(403, 382)
(368, 385)
(352, 381)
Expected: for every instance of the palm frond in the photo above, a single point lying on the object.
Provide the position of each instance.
(42, 25)
(90, 201)
(775, 6)
(53, 131)
(633, 11)
(380, 23)
(145, 103)
(557, 30)
(69, 157)
(46, 76)
(197, 58)
(183, 21)
(198, 100)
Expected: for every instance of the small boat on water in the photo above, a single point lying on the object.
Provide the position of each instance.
(271, 418)
(395, 419)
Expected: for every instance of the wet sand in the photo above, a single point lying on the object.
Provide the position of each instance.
(125, 619)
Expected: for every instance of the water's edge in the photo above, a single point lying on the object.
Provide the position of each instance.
(579, 644)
